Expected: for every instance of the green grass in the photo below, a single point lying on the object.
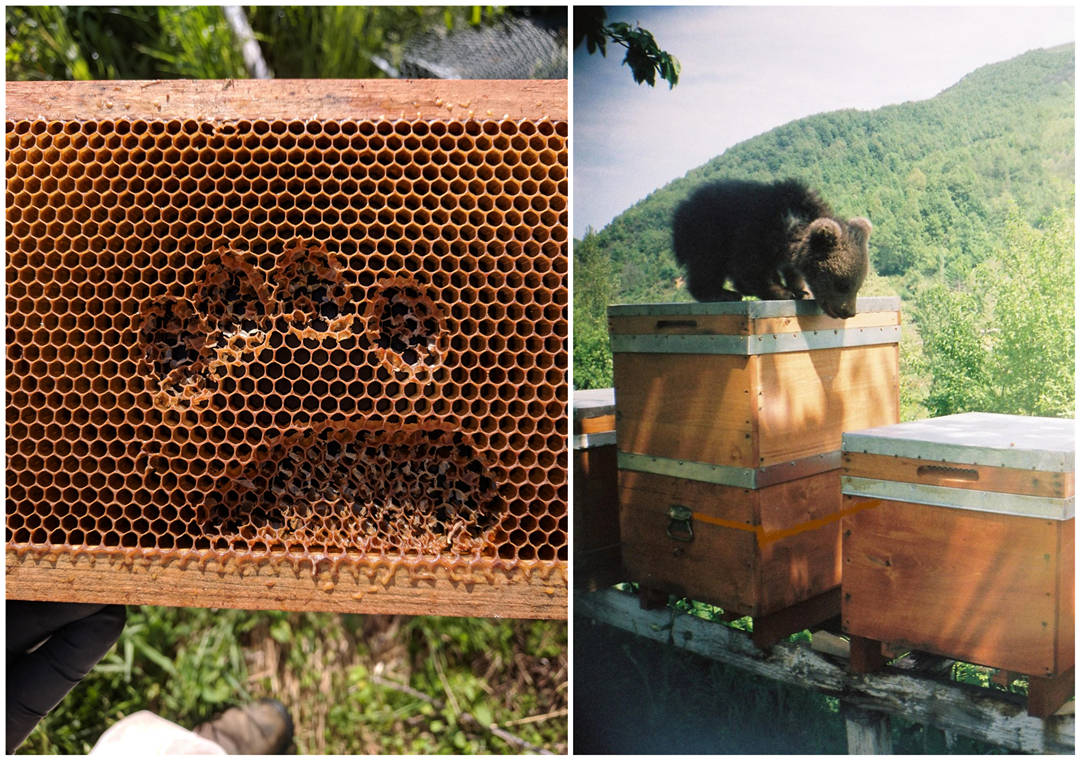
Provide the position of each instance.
(353, 684)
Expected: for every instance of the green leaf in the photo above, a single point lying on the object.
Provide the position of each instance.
(155, 656)
(482, 713)
(281, 632)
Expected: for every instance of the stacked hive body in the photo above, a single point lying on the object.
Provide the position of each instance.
(311, 336)
(729, 418)
(959, 539)
(596, 498)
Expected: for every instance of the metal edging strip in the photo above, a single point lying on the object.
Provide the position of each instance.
(594, 440)
(958, 454)
(725, 475)
(749, 345)
(718, 474)
(961, 498)
(751, 309)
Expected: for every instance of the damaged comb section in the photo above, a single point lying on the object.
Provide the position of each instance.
(348, 486)
(408, 327)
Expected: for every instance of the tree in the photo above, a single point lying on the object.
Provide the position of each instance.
(643, 55)
(592, 348)
(1003, 341)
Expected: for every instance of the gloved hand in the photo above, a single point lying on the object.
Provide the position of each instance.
(72, 638)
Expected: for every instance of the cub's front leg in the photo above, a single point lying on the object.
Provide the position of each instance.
(796, 284)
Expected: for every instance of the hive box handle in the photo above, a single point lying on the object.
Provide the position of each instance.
(680, 527)
(941, 472)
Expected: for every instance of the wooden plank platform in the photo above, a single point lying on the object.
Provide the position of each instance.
(995, 717)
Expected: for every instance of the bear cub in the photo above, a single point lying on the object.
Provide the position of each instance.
(754, 232)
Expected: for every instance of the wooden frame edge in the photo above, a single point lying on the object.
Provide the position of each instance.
(289, 99)
(531, 590)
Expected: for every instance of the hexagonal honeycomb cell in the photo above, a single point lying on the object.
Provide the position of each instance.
(300, 338)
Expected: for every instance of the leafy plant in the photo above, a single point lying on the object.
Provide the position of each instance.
(196, 43)
(592, 348)
(643, 55)
(73, 42)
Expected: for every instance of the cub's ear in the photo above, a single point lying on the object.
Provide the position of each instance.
(860, 229)
(823, 235)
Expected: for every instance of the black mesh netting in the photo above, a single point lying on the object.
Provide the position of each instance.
(514, 48)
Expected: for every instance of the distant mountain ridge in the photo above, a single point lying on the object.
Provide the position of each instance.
(936, 177)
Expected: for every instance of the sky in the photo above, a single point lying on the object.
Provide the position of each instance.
(748, 69)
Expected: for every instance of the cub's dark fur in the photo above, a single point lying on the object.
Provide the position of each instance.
(752, 233)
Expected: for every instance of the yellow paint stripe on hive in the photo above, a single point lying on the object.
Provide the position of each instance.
(765, 538)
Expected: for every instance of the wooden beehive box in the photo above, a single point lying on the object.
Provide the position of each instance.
(729, 419)
(958, 539)
(596, 499)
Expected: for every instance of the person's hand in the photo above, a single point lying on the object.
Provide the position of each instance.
(51, 646)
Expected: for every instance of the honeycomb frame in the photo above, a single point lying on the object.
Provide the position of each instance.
(289, 345)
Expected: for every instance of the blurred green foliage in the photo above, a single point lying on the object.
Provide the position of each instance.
(304, 42)
(151, 42)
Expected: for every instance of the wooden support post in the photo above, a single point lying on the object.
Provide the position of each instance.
(867, 732)
(1047, 694)
(866, 656)
(652, 598)
(950, 739)
(1003, 677)
(769, 629)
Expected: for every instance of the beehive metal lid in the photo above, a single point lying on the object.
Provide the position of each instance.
(589, 404)
(1046, 444)
(1040, 444)
(751, 309)
(596, 402)
(687, 338)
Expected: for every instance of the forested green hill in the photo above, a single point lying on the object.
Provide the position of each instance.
(935, 176)
(941, 179)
